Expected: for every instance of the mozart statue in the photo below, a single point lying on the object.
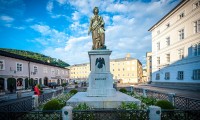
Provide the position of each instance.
(98, 31)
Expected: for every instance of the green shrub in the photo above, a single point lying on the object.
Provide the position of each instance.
(73, 91)
(52, 105)
(123, 90)
(164, 104)
(148, 101)
(82, 106)
(64, 84)
(128, 106)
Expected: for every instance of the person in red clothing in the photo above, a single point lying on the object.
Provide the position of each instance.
(36, 90)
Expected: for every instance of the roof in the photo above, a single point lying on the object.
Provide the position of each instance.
(122, 59)
(171, 12)
(12, 55)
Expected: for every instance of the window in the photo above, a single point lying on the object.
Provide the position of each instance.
(197, 26)
(158, 60)
(45, 70)
(19, 67)
(181, 34)
(168, 57)
(158, 45)
(57, 72)
(180, 75)
(35, 69)
(2, 65)
(52, 71)
(196, 49)
(158, 32)
(181, 53)
(168, 25)
(181, 15)
(196, 74)
(157, 76)
(168, 41)
(167, 76)
(197, 4)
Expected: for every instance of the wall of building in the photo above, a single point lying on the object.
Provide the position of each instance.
(43, 71)
(190, 62)
(126, 70)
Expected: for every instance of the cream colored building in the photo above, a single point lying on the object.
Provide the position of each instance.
(176, 45)
(149, 66)
(79, 71)
(126, 70)
(22, 72)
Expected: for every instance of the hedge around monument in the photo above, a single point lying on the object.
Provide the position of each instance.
(164, 104)
(52, 105)
(73, 91)
(123, 90)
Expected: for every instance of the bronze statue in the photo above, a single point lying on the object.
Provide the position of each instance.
(98, 31)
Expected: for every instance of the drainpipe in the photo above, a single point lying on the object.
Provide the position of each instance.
(29, 74)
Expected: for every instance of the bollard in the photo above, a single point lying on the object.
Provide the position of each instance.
(171, 98)
(154, 113)
(35, 101)
(144, 93)
(67, 113)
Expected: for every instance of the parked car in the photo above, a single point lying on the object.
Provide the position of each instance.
(52, 84)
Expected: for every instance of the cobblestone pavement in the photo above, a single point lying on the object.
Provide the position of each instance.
(177, 91)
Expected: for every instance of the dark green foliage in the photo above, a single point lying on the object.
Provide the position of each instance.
(164, 104)
(128, 106)
(148, 100)
(64, 84)
(123, 90)
(37, 56)
(52, 105)
(73, 91)
(82, 106)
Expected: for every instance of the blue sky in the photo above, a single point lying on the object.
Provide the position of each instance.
(58, 28)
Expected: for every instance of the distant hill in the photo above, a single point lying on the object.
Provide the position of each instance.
(37, 56)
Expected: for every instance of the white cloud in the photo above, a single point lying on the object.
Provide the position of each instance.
(29, 20)
(51, 37)
(7, 18)
(49, 6)
(126, 29)
(62, 2)
(75, 15)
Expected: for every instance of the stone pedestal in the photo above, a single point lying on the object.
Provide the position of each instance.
(100, 93)
(100, 78)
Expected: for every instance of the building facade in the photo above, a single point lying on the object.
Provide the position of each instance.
(125, 70)
(176, 45)
(20, 72)
(149, 66)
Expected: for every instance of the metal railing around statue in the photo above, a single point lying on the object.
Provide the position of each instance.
(22, 104)
(179, 102)
(44, 97)
(31, 115)
(105, 114)
(180, 115)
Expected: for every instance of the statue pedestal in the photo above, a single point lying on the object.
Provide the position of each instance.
(100, 78)
(100, 93)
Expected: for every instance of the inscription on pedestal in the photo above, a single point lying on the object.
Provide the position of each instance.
(100, 79)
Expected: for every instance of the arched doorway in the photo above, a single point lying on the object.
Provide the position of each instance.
(58, 81)
(40, 81)
(1, 84)
(19, 84)
(26, 83)
(31, 82)
(11, 84)
(46, 81)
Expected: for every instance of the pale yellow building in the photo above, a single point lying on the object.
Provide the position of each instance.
(125, 70)
(149, 66)
(79, 71)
